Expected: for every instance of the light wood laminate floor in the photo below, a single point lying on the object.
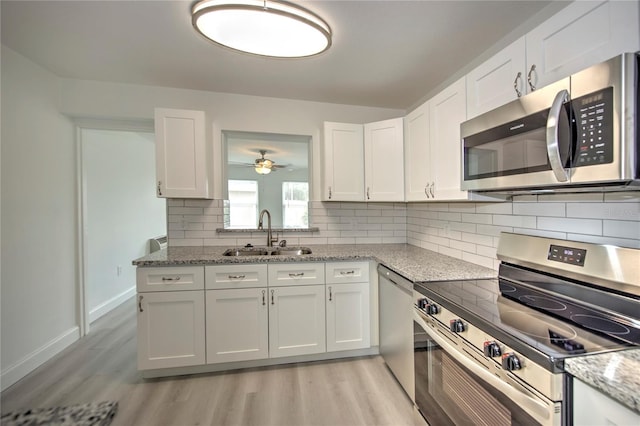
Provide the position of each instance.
(102, 366)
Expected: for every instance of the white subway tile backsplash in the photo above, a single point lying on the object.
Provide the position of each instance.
(616, 211)
(581, 226)
(622, 229)
(469, 231)
(513, 220)
(539, 209)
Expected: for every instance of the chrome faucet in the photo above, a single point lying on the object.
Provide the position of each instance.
(270, 239)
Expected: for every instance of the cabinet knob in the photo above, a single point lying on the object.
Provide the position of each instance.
(329, 192)
(272, 302)
(530, 77)
(516, 85)
(140, 304)
(330, 294)
(160, 188)
(368, 198)
(264, 292)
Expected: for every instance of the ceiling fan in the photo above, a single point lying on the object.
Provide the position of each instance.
(264, 165)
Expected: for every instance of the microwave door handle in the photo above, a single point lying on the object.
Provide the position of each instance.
(553, 144)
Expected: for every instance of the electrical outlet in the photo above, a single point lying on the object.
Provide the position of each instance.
(119, 270)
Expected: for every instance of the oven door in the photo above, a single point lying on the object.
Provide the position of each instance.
(454, 387)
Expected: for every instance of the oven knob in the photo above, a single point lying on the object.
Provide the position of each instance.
(423, 303)
(511, 362)
(456, 325)
(432, 309)
(492, 349)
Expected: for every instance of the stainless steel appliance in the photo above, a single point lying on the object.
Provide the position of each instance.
(396, 326)
(493, 351)
(576, 134)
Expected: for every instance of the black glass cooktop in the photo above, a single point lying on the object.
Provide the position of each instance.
(528, 321)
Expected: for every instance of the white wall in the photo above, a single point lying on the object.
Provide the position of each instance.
(122, 212)
(39, 289)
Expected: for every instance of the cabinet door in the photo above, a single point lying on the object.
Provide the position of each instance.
(499, 80)
(417, 154)
(171, 329)
(296, 321)
(343, 162)
(384, 160)
(181, 154)
(447, 110)
(582, 34)
(237, 325)
(348, 321)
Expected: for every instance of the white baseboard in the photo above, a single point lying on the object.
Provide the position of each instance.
(38, 357)
(110, 304)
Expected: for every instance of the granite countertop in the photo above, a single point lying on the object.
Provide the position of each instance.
(614, 374)
(414, 263)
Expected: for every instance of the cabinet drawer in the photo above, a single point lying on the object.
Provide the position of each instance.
(299, 273)
(347, 272)
(170, 278)
(235, 276)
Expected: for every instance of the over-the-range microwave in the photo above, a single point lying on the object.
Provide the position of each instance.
(578, 134)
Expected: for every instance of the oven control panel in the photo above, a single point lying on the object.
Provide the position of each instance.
(564, 254)
(594, 119)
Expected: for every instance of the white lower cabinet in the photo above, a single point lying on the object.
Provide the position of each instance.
(171, 330)
(237, 325)
(296, 320)
(593, 408)
(348, 306)
(199, 315)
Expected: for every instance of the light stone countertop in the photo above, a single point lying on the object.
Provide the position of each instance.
(616, 374)
(414, 263)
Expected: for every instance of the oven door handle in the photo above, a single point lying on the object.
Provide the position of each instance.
(553, 142)
(533, 406)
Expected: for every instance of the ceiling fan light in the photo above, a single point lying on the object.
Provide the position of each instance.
(267, 28)
(262, 170)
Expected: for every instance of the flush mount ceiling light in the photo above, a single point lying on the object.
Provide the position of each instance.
(262, 27)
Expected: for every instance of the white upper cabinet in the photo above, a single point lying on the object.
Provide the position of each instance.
(363, 162)
(497, 81)
(582, 34)
(343, 162)
(181, 154)
(384, 161)
(417, 154)
(447, 110)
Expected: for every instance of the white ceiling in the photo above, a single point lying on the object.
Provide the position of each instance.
(384, 54)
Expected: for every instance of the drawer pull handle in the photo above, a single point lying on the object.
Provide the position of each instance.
(263, 297)
(237, 277)
(272, 302)
(347, 272)
(170, 279)
(330, 294)
(299, 274)
(140, 304)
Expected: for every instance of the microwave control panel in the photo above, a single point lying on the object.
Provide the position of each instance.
(594, 127)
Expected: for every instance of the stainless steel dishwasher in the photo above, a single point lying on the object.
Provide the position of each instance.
(396, 326)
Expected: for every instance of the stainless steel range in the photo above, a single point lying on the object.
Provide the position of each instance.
(493, 351)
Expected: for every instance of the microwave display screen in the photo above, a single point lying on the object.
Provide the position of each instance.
(594, 128)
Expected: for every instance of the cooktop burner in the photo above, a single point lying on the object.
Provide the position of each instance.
(600, 324)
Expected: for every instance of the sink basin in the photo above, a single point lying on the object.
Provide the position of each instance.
(262, 251)
(291, 251)
(245, 252)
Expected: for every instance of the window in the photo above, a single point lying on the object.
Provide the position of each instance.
(295, 204)
(243, 203)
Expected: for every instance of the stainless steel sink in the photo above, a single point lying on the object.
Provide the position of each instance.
(245, 252)
(261, 251)
(291, 251)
